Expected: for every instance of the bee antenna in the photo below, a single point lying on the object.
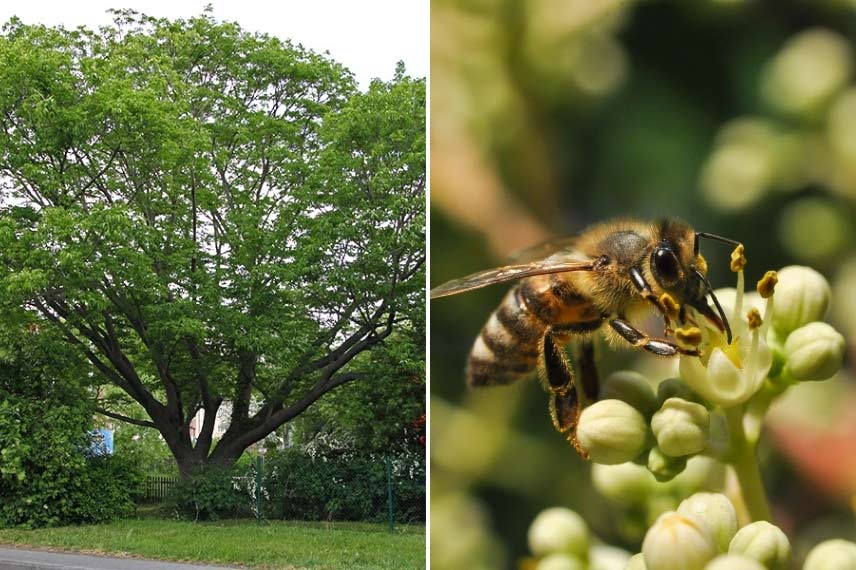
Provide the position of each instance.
(715, 302)
(713, 237)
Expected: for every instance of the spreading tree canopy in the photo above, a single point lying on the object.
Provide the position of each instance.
(209, 215)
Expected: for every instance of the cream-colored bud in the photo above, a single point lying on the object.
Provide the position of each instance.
(701, 474)
(665, 467)
(559, 530)
(636, 562)
(733, 562)
(678, 542)
(560, 561)
(814, 352)
(835, 554)
(681, 427)
(763, 542)
(716, 511)
(605, 557)
(627, 483)
(802, 296)
(630, 387)
(612, 432)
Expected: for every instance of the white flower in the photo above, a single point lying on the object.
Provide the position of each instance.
(678, 542)
(729, 374)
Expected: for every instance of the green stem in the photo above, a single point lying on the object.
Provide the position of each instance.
(745, 465)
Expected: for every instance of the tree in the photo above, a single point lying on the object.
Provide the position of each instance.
(209, 215)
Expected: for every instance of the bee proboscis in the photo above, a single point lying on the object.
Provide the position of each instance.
(604, 279)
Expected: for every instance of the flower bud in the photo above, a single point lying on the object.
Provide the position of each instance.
(814, 352)
(802, 296)
(702, 474)
(835, 554)
(636, 562)
(560, 561)
(733, 562)
(665, 467)
(763, 542)
(559, 530)
(678, 542)
(605, 557)
(681, 427)
(630, 387)
(627, 483)
(675, 388)
(716, 511)
(612, 432)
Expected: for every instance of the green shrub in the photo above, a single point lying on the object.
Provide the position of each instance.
(213, 493)
(337, 485)
(47, 478)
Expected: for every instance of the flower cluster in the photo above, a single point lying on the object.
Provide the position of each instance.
(700, 534)
(662, 453)
(701, 411)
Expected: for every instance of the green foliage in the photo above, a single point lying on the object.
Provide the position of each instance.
(343, 486)
(47, 476)
(209, 215)
(213, 493)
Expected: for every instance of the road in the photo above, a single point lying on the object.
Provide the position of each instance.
(18, 559)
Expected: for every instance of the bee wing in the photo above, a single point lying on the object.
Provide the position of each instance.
(543, 250)
(509, 273)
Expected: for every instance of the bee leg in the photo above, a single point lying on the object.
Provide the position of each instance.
(638, 338)
(589, 378)
(565, 407)
(645, 290)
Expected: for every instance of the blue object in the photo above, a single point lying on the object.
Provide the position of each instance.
(102, 441)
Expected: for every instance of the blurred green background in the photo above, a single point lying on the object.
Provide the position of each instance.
(548, 115)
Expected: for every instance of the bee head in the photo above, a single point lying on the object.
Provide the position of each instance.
(679, 268)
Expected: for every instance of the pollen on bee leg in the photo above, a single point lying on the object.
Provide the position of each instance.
(701, 263)
(767, 284)
(738, 259)
(754, 318)
(690, 336)
(671, 309)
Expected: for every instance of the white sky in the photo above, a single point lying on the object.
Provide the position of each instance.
(367, 36)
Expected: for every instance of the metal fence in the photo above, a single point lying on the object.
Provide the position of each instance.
(297, 486)
(158, 488)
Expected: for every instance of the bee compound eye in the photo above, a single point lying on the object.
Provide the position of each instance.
(666, 266)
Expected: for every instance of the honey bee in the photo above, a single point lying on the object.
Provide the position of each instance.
(604, 279)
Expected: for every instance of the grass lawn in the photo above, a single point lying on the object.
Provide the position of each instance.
(275, 544)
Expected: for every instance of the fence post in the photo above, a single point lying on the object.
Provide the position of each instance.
(389, 493)
(260, 465)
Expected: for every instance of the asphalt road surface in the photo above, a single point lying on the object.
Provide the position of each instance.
(18, 559)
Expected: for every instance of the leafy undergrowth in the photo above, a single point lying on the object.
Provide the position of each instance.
(268, 546)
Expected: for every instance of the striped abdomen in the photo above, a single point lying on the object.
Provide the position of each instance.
(509, 345)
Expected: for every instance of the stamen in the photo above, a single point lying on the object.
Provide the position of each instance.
(767, 284)
(754, 319)
(738, 259)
